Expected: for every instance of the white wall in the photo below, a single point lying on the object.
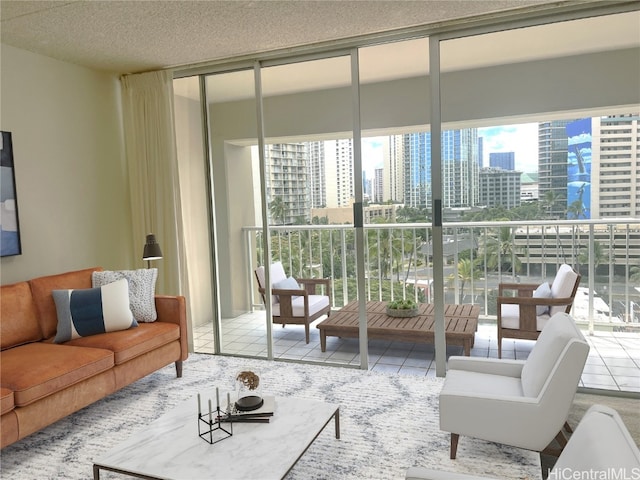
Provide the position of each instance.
(71, 180)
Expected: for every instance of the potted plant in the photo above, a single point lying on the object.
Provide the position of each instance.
(402, 308)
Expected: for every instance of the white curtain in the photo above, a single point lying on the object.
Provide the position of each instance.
(150, 144)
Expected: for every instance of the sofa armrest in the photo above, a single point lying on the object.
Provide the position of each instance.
(493, 366)
(173, 309)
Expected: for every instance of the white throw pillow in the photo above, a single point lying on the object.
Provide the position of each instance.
(543, 291)
(288, 283)
(142, 290)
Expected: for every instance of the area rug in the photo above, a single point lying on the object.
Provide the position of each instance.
(388, 424)
(627, 407)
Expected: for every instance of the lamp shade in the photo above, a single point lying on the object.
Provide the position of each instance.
(151, 249)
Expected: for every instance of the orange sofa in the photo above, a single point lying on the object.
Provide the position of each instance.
(42, 382)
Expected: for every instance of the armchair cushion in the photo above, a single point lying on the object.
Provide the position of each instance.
(543, 291)
(563, 286)
(552, 341)
(483, 383)
(277, 275)
(316, 303)
(510, 315)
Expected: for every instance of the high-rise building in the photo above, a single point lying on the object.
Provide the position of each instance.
(460, 182)
(615, 166)
(417, 169)
(459, 168)
(287, 182)
(552, 166)
(393, 171)
(378, 189)
(316, 177)
(499, 187)
(338, 157)
(503, 160)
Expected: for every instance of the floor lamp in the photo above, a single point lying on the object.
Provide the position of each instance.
(151, 250)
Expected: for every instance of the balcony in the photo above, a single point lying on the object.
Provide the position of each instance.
(478, 256)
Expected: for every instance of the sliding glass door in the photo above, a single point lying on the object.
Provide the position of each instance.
(428, 168)
(309, 161)
(236, 204)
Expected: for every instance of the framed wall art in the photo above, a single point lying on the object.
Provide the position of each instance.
(10, 227)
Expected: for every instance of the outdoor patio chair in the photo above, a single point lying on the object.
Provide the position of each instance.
(525, 314)
(601, 444)
(522, 403)
(294, 300)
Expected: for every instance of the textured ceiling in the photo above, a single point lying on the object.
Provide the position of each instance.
(134, 36)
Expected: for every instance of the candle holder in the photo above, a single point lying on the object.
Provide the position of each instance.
(210, 427)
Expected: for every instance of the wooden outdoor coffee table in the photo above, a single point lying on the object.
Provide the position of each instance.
(461, 323)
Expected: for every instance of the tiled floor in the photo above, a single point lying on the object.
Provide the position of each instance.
(613, 363)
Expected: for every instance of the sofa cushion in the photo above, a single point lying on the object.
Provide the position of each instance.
(142, 289)
(6, 400)
(36, 370)
(91, 311)
(41, 289)
(18, 318)
(129, 344)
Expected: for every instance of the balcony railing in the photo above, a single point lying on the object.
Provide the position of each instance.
(477, 257)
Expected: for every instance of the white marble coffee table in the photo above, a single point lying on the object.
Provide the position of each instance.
(170, 448)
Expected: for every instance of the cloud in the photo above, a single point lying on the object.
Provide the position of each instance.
(522, 139)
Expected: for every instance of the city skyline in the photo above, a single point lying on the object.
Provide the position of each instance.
(522, 139)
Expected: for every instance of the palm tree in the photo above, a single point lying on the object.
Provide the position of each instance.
(576, 209)
(465, 272)
(634, 275)
(388, 245)
(549, 200)
(499, 251)
(278, 210)
(599, 255)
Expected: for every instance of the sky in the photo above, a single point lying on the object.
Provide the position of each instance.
(522, 139)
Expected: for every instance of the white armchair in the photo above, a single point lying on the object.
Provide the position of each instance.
(601, 444)
(520, 403)
(525, 314)
(294, 300)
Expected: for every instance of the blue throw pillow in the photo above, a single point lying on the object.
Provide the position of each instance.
(91, 311)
